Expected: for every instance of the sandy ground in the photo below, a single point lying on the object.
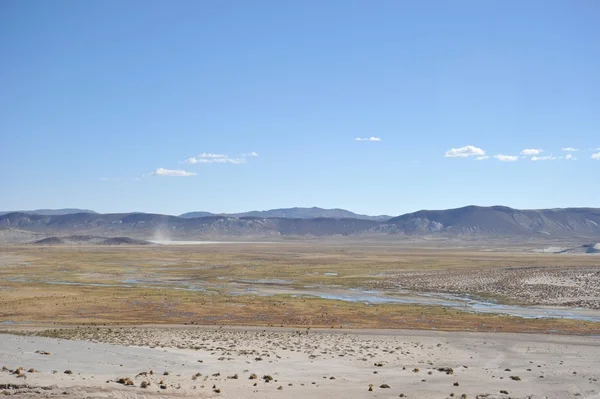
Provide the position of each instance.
(302, 363)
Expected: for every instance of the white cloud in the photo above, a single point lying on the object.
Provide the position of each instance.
(217, 158)
(570, 157)
(481, 158)
(172, 172)
(195, 160)
(569, 149)
(250, 154)
(544, 158)
(463, 152)
(367, 139)
(596, 156)
(209, 155)
(506, 158)
(531, 151)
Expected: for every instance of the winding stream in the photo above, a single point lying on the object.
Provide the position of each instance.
(463, 303)
(268, 287)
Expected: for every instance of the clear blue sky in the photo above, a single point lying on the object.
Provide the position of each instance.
(260, 103)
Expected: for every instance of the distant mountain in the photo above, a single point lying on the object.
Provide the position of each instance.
(293, 213)
(197, 214)
(470, 221)
(51, 212)
(164, 227)
(501, 221)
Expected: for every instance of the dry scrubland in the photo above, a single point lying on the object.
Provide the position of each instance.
(263, 284)
(572, 286)
(201, 362)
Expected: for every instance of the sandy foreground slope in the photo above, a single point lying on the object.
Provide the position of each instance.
(302, 363)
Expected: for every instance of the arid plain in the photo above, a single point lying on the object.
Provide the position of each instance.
(330, 316)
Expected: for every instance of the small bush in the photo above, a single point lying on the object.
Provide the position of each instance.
(125, 381)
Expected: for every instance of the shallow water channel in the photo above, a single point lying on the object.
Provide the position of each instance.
(463, 303)
(268, 287)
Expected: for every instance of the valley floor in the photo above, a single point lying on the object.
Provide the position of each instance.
(403, 320)
(319, 283)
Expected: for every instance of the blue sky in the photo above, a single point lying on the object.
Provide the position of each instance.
(258, 104)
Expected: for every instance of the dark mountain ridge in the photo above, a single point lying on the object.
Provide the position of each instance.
(470, 221)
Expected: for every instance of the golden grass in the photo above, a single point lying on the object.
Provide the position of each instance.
(26, 296)
(92, 305)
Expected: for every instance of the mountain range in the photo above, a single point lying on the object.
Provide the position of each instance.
(51, 212)
(290, 213)
(470, 221)
(293, 213)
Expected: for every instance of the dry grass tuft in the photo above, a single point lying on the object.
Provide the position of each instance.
(125, 381)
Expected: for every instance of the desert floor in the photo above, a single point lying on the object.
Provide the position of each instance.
(311, 319)
(220, 362)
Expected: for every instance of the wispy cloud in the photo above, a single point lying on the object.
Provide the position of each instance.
(533, 154)
(367, 139)
(195, 160)
(531, 151)
(464, 152)
(506, 158)
(212, 156)
(596, 156)
(544, 158)
(172, 172)
(207, 157)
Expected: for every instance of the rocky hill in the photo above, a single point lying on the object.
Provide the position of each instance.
(89, 240)
(501, 221)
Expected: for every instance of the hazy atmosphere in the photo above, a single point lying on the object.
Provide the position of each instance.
(385, 108)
